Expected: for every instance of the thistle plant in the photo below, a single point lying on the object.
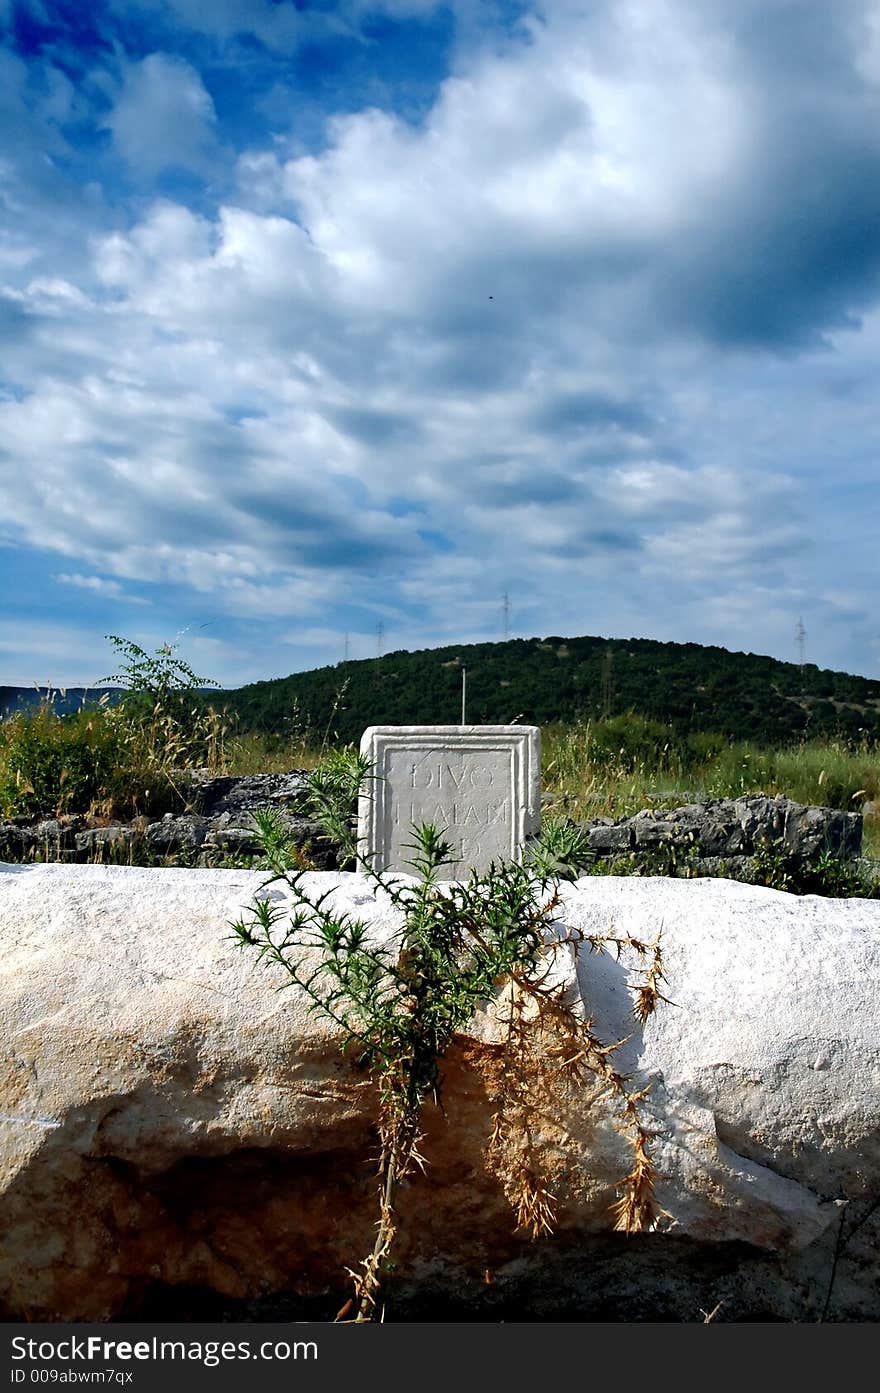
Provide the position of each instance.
(490, 939)
(331, 795)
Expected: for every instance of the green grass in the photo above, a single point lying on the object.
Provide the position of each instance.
(106, 761)
(617, 767)
(258, 753)
(103, 761)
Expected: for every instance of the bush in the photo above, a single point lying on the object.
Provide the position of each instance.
(780, 868)
(632, 742)
(113, 759)
(55, 764)
(163, 707)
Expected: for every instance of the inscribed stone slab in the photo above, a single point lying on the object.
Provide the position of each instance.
(480, 785)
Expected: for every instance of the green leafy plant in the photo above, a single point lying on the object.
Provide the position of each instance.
(163, 708)
(562, 852)
(56, 764)
(666, 859)
(154, 679)
(331, 797)
(840, 879)
(489, 939)
(779, 867)
(111, 757)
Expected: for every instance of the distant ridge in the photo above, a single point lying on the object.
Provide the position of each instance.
(64, 700)
(683, 685)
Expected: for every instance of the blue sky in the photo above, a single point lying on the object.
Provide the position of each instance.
(316, 317)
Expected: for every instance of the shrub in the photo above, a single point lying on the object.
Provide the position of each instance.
(112, 758)
(777, 866)
(631, 742)
(164, 710)
(55, 764)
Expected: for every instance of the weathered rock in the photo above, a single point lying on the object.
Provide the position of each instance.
(604, 839)
(734, 829)
(240, 795)
(237, 840)
(54, 833)
(177, 833)
(14, 842)
(653, 831)
(222, 824)
(168, 1119)
(93, 838)
(717, 836)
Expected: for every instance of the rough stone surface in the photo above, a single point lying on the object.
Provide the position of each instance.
(170, 1124)
(729, 829)
(238, 794)
(716, 837)
(480, 785)
(219, 823)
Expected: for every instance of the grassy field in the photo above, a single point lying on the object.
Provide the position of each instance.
(117, 763)
(616, 768)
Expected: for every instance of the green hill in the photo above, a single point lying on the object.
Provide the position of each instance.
(63, 700)
(683, 685)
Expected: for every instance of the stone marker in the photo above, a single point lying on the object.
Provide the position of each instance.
(480, 785)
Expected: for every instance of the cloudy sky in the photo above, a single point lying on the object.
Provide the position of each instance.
(318, 316)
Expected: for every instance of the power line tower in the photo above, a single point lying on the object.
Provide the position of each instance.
(800, 635)
(505, 610)
(345, 650)
(380, 635)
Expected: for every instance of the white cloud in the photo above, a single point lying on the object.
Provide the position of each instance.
(47, 653)
(99, 585)
(163, 116)
(429, 364)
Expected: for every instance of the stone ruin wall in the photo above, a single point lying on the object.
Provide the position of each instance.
(717, 836)
(725, 833)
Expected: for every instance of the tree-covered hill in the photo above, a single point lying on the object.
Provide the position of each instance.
(684, 685)
(63, 700)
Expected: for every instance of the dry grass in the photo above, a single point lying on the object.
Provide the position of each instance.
(588, 777)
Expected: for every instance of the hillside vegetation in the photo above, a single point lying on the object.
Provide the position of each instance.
(681, 714)
(683, 686)
(626, 724)
(64, 701)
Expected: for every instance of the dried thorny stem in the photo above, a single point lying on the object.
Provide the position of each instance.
(634, 1210)
(546, 1036)
(649, 995)
(399, 1138)
(367, 1284)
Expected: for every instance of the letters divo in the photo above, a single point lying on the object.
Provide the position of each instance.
(480, 785)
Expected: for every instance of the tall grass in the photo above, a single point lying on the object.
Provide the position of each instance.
(130, 760)
(615, 768)
(618, 766)
(107, 761)
(300, 745)
(255, 752)
(119, 761)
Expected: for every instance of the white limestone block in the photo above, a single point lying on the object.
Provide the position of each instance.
(139, 1043)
